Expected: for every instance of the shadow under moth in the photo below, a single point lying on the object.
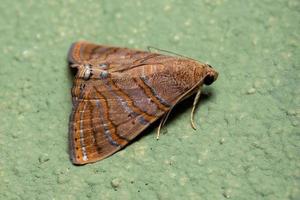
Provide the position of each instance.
(118, 92)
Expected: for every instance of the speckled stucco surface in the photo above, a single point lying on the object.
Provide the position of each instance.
(247, 145)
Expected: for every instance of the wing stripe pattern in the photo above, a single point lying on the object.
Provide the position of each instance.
(161, 100)
(136, 110)
(127, 104)
(94, 131)
(106, 130)
(105, 52)
(73, 130)
(152, 94)
(83, 149)
(107, 122)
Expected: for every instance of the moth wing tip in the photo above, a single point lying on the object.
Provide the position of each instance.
(70, 58)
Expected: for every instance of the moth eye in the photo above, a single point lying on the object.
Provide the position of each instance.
(209, 79)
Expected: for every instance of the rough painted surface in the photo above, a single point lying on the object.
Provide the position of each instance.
(247, 145)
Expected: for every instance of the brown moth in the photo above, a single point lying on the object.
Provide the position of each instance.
(118, 92)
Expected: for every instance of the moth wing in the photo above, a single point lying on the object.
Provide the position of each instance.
(87, 137)
(117, 59)
(136, 63)
(107, 117)
(80, 52)
(110, 112)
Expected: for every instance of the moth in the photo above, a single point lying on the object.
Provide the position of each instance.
(118, 92)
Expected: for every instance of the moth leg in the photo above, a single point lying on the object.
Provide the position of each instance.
(194, 107)
(162, 122)
(159, 127)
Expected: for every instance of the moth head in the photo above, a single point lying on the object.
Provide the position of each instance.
(192, 73)
(210, 75)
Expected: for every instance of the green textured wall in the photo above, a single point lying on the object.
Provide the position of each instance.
(247, 145)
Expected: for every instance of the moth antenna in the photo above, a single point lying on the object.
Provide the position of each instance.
(196, 100)
(170, 52)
